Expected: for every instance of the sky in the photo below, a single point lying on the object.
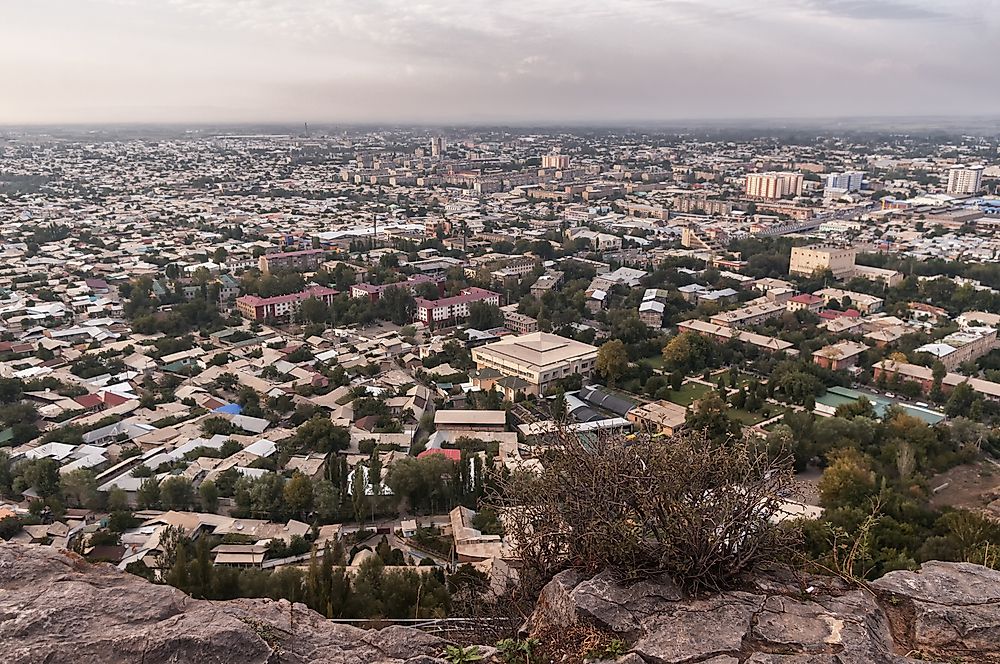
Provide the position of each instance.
(494, 61)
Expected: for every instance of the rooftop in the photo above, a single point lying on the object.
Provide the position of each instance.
(539, 349)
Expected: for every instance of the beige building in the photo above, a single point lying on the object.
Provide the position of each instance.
(807, 261)
(557, 161)
(539, 359)
(470, 420)
(773, 186)
(753, 313)
(888, 277)
(866, 304)
(724, 333)
(518, 323)
(658, 417)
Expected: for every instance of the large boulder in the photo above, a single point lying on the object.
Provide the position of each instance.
(56, 607)
(947, 611)
(951, 608)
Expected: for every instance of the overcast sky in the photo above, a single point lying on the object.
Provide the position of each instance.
(469, 61)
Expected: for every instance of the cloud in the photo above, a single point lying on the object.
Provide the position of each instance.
(875, 10)
(492, 60)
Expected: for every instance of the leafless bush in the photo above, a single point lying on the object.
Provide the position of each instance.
(701, 511)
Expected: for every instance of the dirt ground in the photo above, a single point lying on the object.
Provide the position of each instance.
(806, 486)
(968, 485)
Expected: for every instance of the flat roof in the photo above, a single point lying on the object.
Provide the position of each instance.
(539, 349)
(485, 417)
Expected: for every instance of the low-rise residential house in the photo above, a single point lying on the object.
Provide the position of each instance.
(838, 356)
(658, 417)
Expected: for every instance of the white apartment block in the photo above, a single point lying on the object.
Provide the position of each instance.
(965, 180)
(848, 180)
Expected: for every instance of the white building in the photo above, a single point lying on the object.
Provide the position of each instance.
(965, 180)
(848, 180)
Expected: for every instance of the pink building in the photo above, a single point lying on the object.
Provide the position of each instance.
(435, 312)
(373, 292)
(281, 306)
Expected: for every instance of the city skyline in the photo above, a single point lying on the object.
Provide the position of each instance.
(326, 61)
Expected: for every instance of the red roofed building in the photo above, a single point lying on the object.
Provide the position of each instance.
(100, 400)
(830, 314)
(281, 306)
(805, 302)
(90, 401)
(111, 399)
(434, 312)
(373, 292)
(454, 455)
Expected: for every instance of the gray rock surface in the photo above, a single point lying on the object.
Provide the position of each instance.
(946, 607)
(55, 607)
(945, 612)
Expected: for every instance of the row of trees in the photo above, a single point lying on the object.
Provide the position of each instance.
(372, 591)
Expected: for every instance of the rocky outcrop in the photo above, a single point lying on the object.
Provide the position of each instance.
(56, 607)
(946, 608)
(946, 612)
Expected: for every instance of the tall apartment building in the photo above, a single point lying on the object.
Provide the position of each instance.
(965, 180)
(773, 186)
(281, 307)
(847, 181)
(292, 261)
(437, 146)
(806, 261)
(556, 161)
(448, 309)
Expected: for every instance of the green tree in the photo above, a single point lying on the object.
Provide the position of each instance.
(209, 495)
(176, 493)
(326, 499)
(42, 475)
(10, 390)
(177, 575)
(612, 361)
(79, 489)
(6, 476)
(148, 495)
(118, 500)
(483, 316)
(298, 494)
(960, 401)
(314, 310)
(848, 481)
(708, 414)
(320, 434)
(358, 493)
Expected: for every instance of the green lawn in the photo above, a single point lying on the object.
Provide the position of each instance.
(655, 362)
(745, 417)
(742, 380)
(689, 393)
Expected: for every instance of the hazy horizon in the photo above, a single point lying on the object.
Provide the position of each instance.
(516, 63)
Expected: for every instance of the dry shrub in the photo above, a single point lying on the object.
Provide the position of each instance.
(699, 510)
